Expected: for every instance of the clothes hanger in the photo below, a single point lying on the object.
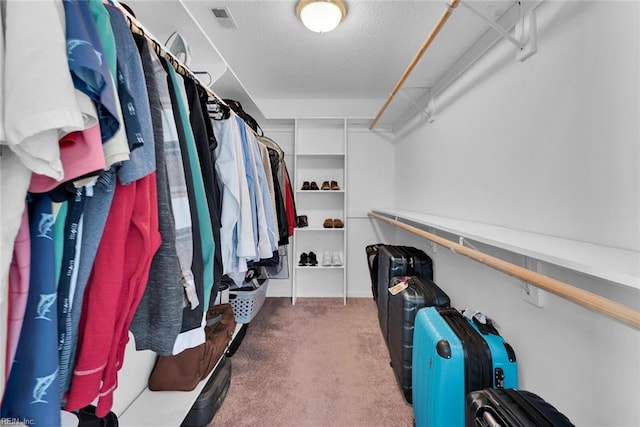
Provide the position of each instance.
(217, 109)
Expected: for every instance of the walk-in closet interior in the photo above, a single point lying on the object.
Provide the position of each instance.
(223, 212)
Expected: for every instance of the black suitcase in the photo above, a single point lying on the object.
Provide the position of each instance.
(511, 408)
(397, 261)
(403, 308)
(211, 397)
(372, 262)
(419, 262)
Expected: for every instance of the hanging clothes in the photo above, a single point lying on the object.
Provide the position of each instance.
(141, 231)
(18, 289)
(93, 79)
(135, 102)
(236, 232)
(204, 140)
(71, 236)
(38, 105)
(266, 162)
(115, 286)
(31, 391)
(251, 180)
(116, 148)
(90, 74)
(267, 229)
(191, 315)
(158, 319)
(286, 212)
(215, 192)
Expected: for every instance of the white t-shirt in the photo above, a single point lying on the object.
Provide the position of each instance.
(39, 103)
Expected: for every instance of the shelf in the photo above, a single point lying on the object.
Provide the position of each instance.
(319, 267)
(160, 408)
(320, 191)
(319, 229)
(616, 265)
(320, 154)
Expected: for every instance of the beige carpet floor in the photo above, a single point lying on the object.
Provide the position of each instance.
(318, 363)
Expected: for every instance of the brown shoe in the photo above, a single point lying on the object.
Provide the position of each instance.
(326, 186)
(337, 223)
(328, 223)
(335, 186)
(313, 186)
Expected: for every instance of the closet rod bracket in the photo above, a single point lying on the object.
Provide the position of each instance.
(429, 111)
(462, 241)
(533, 294)
(526, 36)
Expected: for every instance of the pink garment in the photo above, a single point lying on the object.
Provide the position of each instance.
(18, 288)
(80, 152)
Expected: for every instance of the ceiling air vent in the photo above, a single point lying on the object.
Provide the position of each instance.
(224, 18)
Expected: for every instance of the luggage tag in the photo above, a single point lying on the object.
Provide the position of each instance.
(399, 287)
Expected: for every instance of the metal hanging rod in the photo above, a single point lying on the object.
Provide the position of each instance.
(615, 310)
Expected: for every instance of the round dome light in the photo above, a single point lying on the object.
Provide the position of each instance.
(321, 16)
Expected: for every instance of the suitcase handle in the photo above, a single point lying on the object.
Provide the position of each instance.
(488, 420)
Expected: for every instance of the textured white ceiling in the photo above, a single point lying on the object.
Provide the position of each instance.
(273, 56)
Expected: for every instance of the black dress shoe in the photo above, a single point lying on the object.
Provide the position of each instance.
(313, 186)
(305, 185)
(302, 221)
(313, 259)
(304, 259)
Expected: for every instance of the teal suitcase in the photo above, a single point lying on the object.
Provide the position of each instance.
(451, 358)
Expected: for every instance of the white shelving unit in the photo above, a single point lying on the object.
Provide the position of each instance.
(320, 155)
(615, 265)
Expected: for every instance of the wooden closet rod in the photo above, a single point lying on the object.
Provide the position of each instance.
(620, 312)
(425, 45)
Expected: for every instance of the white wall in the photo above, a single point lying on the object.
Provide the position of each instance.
(371, 185)
(550, 145)
(323, 107)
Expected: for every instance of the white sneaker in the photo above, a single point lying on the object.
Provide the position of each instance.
(326, 258)
(336, 258)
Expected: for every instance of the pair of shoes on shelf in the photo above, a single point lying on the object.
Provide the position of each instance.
(308, 259)
(332, 258)
(330, 185)
(306, 185)
(333, 223)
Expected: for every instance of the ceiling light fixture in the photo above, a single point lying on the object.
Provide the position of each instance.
(321, 16)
